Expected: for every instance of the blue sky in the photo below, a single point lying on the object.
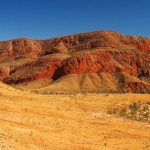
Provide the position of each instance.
(42, 19)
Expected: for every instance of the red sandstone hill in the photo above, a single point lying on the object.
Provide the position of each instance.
(102, 61)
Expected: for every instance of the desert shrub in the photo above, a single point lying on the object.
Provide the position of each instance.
(134, 106)
(136, 111)
(118, 110)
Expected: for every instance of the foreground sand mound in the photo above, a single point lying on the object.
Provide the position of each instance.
(48, 122)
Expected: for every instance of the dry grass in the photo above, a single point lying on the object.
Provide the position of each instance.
(75, 122)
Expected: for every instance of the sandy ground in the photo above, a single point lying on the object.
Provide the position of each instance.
(76, 122)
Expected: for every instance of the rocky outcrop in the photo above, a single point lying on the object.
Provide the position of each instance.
(86, 62)
(4, 72)
(42, 68)
(137, 87)
(104, 61)
(19, 48)
(94, 52)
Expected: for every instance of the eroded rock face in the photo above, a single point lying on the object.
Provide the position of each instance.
(4, 72)
(19, 48)
(42, 68)
(94, 52)
(86, 62)
(104, 61)
(138, 87)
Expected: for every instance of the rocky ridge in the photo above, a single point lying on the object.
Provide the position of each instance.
(126, 59)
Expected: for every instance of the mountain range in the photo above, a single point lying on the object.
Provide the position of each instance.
(99, 61)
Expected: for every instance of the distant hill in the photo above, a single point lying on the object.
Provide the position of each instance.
(100, 61)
